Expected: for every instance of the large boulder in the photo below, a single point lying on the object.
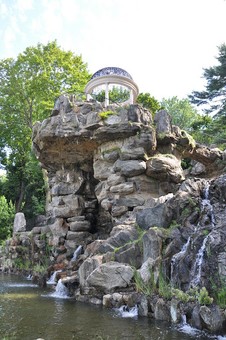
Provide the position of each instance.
(87, 267)
(165, 167)
(110, 275)
(159, 216)
(152, 244)
(19, 224)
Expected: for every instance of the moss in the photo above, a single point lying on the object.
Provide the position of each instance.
(106, 114)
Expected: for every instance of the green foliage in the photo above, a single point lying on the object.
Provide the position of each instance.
(180, 295)
(106, 114)
(7, 213)
(182, 112)
(116, 95)
(25, 186)
(40, 268)
(193, 294)
(204, 298)
(149, 102)
(211, 129)
(164, 288)
(148, 288)
(29, 86)
(214, 97)
(221, 297)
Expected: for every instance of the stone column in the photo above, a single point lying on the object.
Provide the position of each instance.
(106, 95)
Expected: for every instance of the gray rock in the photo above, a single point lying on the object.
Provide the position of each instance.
(80, 226)
(212, 318)
(110, 276)
(152, 244)
(115, 179)
(159, 216)
(197, 169)
(143, 306)
(162, 311)
(130, 168)
(163, 122)
(123, 188)
(165, 167)
(130, 254)
(19, 224)
(87, 267)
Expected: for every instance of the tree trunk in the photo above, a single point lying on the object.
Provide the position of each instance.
(19, 201)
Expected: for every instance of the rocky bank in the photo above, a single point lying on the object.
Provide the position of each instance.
(125, 224)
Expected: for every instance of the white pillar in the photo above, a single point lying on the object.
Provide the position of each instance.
(131, 98)
(106, 95)
(88, 96)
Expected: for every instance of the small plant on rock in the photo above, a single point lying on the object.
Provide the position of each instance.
(106, 114)
(204, 298)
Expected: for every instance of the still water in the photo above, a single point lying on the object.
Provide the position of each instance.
(28, 313)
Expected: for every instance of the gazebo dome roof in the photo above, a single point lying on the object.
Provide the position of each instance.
(111, 71)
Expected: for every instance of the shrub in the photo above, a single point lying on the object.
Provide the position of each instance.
(7, 212)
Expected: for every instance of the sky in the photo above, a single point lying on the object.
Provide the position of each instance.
(163, 44)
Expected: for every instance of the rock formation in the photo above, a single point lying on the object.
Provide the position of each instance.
(118, 191)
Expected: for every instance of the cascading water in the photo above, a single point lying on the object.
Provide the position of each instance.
(197, 269)
(77, 252)
(52, 279)
(126, 312)
(61, 291)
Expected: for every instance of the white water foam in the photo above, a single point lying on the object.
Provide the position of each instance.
(61, 291)
(21, 285)
(52, 279)
(186, 328)
(126, 312)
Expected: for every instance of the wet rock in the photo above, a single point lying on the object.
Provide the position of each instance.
(211, 318)
(162, 311)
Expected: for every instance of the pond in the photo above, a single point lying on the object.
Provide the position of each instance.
(28, 312)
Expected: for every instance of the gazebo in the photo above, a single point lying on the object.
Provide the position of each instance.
(112, 75)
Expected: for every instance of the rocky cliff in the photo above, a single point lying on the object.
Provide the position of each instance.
(125, 223)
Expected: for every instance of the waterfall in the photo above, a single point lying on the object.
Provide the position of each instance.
(197, 270)
(175, 259)
(61, 290)
(126, 312)
(186, 328)
(207, 208)
(77, 252)
(52, 279)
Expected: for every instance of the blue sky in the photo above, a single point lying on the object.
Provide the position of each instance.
(163, 44)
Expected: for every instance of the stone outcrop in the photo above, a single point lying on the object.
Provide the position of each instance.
(118, 193)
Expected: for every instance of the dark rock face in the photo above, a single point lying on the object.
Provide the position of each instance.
(118, 192)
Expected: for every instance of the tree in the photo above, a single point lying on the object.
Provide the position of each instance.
(213, 99)
(29, 86)
(116, 95)
(148, 102)
(6, 218)
(182, 112)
